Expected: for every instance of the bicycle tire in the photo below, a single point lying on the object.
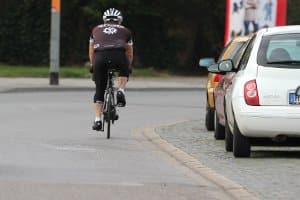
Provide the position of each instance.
(109, 116)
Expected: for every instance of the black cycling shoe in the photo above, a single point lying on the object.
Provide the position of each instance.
(116, 117)
(121, 101)
(97, 126)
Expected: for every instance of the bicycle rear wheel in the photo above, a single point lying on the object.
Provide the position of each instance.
(109, 115)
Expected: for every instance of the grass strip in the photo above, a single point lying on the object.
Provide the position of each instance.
(66, 72)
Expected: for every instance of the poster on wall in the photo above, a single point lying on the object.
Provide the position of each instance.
(244, 17)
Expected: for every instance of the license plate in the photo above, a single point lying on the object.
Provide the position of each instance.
(293, 98)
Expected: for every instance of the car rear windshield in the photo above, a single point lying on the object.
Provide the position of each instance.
(281, 51)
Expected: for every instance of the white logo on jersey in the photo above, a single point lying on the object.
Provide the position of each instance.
(110, 30)
(96, 46)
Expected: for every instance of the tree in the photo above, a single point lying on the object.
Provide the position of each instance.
(24, 32)
(169, 34)
(293, 16)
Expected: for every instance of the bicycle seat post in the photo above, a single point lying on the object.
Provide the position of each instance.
(110, 77)
(110, 73)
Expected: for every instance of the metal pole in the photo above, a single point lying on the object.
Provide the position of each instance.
(54, 42)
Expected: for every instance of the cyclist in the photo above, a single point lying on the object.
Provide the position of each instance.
(110, 45)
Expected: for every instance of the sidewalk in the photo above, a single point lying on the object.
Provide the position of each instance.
(19, 84)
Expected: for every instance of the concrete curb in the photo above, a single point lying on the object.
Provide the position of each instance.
(231, 188)
(72, 89)
(66, 84)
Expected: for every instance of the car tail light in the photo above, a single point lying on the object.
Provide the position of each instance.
(251, 93)
(217, 77)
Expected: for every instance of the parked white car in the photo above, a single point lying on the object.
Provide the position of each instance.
(263, 101)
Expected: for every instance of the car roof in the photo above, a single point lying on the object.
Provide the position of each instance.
(281, 30)
(241, 38)
(231, 47)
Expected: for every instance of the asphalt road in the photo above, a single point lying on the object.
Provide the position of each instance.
(48, 150)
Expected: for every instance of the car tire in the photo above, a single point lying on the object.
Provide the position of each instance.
(219, 128)
(241, 144)
(228, 138)
(209, 118)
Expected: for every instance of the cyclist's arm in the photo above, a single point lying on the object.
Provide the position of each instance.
(129, 53)
(91, 52)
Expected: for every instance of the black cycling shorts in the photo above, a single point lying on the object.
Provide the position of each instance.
(103, 60)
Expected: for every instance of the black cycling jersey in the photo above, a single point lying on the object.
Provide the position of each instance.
(110, 36)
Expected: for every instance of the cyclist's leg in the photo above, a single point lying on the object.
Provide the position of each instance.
(99, 99)
(119, 59)
(123, 79)
(99, 77)
(98, 105)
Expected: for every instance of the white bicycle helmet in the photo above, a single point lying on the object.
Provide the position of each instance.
(112, 14)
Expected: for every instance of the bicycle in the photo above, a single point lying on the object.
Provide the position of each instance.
(109, 106)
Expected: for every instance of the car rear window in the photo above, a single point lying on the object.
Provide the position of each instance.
(281, 51)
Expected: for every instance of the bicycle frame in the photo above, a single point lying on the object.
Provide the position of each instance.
(109, 106)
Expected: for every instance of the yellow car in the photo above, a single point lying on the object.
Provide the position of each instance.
(213, 79)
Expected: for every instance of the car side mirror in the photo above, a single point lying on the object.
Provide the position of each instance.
(225, 66)
(206, 62)
(213, 68)
(298, 91)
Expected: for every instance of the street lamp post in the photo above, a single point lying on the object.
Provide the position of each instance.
(54, 42)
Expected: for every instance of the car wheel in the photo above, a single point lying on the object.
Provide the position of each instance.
(209, 118)
(241, 144)
(228, 138)
(219, 128)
